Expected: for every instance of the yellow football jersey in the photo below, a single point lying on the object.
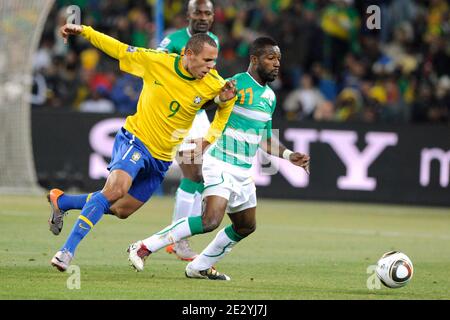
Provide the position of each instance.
(170, 97)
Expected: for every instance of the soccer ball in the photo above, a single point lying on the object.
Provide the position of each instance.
(394, 269)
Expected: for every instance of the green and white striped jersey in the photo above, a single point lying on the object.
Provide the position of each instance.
(175, 42)
(249, 123)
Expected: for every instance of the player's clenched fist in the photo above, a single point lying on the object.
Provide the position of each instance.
(70, 29)
(228, 91)
(301, 160)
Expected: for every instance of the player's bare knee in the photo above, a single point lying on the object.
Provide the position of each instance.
(194, 176)
(210, 223)
(192, 172)
(114, 194)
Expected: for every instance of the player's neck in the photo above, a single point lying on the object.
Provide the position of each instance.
(255, 76)
(185, 66)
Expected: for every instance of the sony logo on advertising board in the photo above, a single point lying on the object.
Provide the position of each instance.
(344, 143)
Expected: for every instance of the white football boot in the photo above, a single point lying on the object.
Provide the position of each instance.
(61, 260)
(182, 250)
(137, 253)
(211, 274)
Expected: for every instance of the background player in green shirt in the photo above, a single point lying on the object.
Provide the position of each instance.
(200, 15)
(229, 187)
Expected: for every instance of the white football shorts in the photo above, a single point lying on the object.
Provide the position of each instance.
(199, 129)
(230, 182)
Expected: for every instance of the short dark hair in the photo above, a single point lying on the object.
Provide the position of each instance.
(197, 41)
(257, 47)
(193, 3)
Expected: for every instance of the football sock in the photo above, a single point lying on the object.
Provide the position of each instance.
(92, 212)
(197, 206)
(77, 201)
(184, 199)
(178, 230)
(222, 244)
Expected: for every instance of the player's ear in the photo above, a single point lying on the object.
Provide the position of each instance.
(254, 59)
(188, 52)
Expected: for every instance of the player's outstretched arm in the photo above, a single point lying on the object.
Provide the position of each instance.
(107, 44)
(274, 147)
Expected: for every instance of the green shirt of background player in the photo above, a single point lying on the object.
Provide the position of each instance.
(200, 15)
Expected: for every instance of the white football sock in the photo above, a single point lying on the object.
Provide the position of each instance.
(197, 205)
(215, 251)
(178, 230)
(175, 232)
(184, 202)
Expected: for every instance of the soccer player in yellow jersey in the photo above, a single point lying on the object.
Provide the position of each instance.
(175, 88)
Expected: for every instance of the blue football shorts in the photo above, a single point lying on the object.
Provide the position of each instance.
(131, 155)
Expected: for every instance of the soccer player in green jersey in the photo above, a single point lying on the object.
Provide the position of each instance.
(229, 187)
(200, 15)
(188, 198)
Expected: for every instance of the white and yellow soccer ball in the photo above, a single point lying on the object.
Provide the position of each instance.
(394, 269)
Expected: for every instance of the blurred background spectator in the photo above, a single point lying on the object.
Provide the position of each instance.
(301, 103)
(334, 68)
(98, 102)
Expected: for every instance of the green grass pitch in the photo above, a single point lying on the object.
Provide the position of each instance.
(300, 250)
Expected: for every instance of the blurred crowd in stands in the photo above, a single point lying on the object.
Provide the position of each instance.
(334, 68)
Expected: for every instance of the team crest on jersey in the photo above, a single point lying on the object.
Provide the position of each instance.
(131, 49)
(135, 157)
(197, 100)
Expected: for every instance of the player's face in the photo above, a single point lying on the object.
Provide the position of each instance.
(200, 64)
(200, 16)
(269, 64)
